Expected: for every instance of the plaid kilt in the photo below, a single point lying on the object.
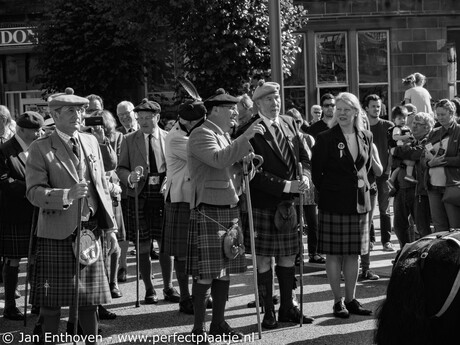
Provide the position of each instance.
(205, 256)
(269, 241)
(343, 234)
(14, 240)
(175, 228)
(151, 208)
(52, 282)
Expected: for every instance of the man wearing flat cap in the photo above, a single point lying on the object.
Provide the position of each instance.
(142, 163)
(178, 194)
(63, 169)
(216, 179)
(15, 210)
(274, 185)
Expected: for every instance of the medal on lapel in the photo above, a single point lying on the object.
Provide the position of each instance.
(341, 147)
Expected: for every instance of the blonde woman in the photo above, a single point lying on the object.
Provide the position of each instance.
(7, 125)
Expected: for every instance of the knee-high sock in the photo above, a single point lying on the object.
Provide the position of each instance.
(10, 281)
(114, 260)
(219, 293)
(199, 291)
(286, 276)
(166, 263)
(50, 317)
(182, 279)
(123, 252)
(88, 320)
(265, 286)
(145, 268)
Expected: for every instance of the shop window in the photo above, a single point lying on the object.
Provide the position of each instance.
(453, 73)
(331, 58)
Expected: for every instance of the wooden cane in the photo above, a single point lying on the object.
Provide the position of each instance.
(140, 171)
(77, 266)
(246, 162)
(29, 258)
(301, 225)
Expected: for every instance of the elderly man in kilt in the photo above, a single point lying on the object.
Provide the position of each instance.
(16, 211)
(146, 148)
(282, 149)
(215, 185)
(63, 168)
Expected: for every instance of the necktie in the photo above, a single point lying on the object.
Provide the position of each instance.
(75, 147)
(152, 162)
(283, 146)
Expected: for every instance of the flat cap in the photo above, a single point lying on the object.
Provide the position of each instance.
(66, 98)
(192, 110)
(147, 105)
(220, 97)
(30, 119)
(265, 88)
(49, 122)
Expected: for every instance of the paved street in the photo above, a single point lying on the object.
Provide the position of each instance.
(164, 318)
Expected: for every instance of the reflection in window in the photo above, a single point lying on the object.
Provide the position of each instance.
(331, 58)
(295, 98)
(373, 56)
(297, 77)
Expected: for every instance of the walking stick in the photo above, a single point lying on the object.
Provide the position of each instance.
(29, 258)
(246, 162)
(140, 171)
(77, 265)
(301, 225)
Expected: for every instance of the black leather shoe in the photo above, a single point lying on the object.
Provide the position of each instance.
(209, 303)
(114, 291)
(122, 275)
(269, 320)
(224, 329)
(293, 315)
(35, 310)
(104, 314)
(340, 310)
(13, 313)
(186, 306)
(354, 307)
(200, 337)
(171, 295)
(151, 297)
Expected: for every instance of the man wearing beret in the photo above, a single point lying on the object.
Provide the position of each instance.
(276, 182)
(63, 169)
(15, 210)
(178, 194)
(142, 163)
(216, 179)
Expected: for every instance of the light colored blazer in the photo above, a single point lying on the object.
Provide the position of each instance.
(178, 184)
(50, 171)
(214, 165)
(133, 153)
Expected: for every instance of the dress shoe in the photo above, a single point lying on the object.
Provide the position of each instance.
(114, 291)
(104, 314)
(269, 320)
(209, 303)
(186, 306)
(293, 315)
(224, 329)
(354, 307)
(151, 297)
(200, 337)
(317, 259)
(340, 310)
(122, 275)
(13, 313)
(171, 295)
(35, 310)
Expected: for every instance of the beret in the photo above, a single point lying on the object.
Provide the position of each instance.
(49, 122)
(30, 119)
(220, 97)
(66, 98)
(147, 105)
(265, 88)
(192, 110)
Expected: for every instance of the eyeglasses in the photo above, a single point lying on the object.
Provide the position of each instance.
(328, 105)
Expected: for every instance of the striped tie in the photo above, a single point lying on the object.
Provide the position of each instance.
(283, 146)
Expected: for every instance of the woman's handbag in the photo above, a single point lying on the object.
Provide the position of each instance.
(452, 195)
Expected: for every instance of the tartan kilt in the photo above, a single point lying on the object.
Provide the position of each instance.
(55, 267)
(175, 228)
(151, 208)
(205, 255)
(343, 234)
(14, 240)
(269, 241)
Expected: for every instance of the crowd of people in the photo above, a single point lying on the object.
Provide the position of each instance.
(181, 184)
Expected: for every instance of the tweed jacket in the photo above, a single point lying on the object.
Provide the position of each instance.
(214, 166)
(14, 206)
(133, 153)
(50, 171)
(336, 175)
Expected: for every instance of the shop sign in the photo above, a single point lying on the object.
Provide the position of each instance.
(16, 36)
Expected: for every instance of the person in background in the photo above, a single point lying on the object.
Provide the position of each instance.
(49, 126)
(416, 94)
(328, 106)
(95, 103)
(127, 117)
(340, 164)
(245, 110)
(7, 125)
(316, 112)
(411, 111)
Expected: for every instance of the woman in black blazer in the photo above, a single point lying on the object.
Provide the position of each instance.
(340, 163)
